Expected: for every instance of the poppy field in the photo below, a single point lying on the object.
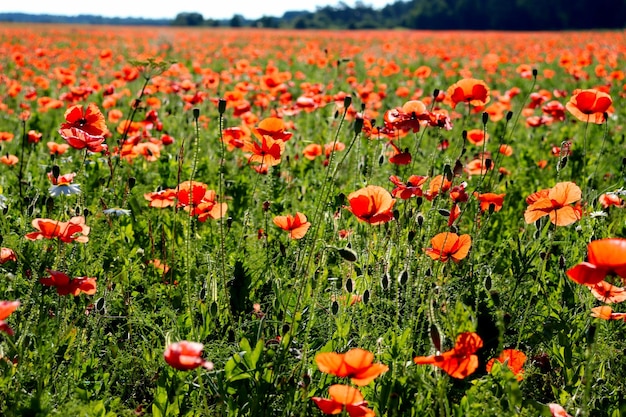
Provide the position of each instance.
(208, 222)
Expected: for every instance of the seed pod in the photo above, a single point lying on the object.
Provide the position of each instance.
(385, 281)
(403, 277)
(366, 296)
(347, 254)
(334, 308)
(435, 337)
(349, 285)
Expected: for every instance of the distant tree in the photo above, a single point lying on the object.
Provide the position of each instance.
(237, 21)
(188, 19)
(266, 22)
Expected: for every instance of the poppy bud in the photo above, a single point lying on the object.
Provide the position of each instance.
(444, 212)
(428, 272)
(366, 296)
(509, 115)
(285, 329)
(447, 172)
(488, 282)
(56, 171)
(606, 116)
(420, 219)
(221, 106)
(403, 277)
(131, 182)
(196, 113)
(458, 168)
(266, 205)
(488, 163)
(435, 92)
(362, 107)
(464, 135)
(534, 72)
(411, 236)
(336, 115)
(86, 212)
(419, 201)
(349, 285)
(358, 125)
(347, 101)
(435, 337)
(385, 281)
(485, 118)
(453, 229)
(381, 159)
(334, 308)
(562, 163)
(347, 254)
(100, 305)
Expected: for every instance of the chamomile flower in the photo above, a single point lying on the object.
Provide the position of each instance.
(62, 185)
(116, 211)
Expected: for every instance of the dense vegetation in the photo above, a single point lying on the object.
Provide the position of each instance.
(414, 14)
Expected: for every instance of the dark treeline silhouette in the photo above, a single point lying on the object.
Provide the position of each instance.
(412, 14)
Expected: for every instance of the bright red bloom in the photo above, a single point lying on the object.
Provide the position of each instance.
(513, 359)
(555, 202)
(460, 361)
(6, 309)
(604, 257)
(606, 313)
(468, 90)
(297, 225)
(372, 204)
(488, 200)
(90, 120)
(589, 105)
(75, 230)
(447, 245)
(413, 186)
(65, 285)
(355, 364)
(161, 199)
(344, 398)
(185, 356)
(6, 255)
(79, 139)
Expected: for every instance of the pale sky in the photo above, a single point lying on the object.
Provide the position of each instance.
(215, 9)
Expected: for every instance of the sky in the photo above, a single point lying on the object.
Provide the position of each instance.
(214, 9)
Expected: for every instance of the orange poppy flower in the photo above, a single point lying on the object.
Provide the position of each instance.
(65, 285)
(274, 127)
(371, 204)
(355, 364)
(79, 139)
(447, 245)
(161, 199)
(604, 257)
(589, 105)
(608, 293)
(90, 120)
(312, 151)
(6, 309)
(185, 356)
(610, 199)
(506, 150)
(437, 185)
(57, 148)
(555, 202)
(6, 255)
(477, 136)
(460, 361)
(606, 313)
(267, 151)
(468, 90)
(407, 118)
(75, 230)
(413, 186)
(344, 398)
(513, 359)
(9, 160)
(557, 411)
(488, 200)
(297, 225)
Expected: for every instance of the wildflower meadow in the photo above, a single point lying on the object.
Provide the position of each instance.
(248, 222)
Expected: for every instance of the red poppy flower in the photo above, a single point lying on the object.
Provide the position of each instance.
(604, 257)
(555, 202)
(513, 359)
(477, 136)
(161, 199)
(274, 127)
(266, 151)
(65, 285)
(610, 199)
(468, 90)
(447, 245)
(488, 200)
(6, 309)
(460, 361)
(355, 364)
(413, 186)
(589, 105)
(6, 255)
(90, 120)
(312, 151)
(344, 398)
(606, 313)
(297, 225)
(185, 356)
(407, 118)
(9, 160)
(608, 293)
(79, 139)
(75, 230)
(372, 204)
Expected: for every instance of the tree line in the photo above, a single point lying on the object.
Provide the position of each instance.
(413, 14)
